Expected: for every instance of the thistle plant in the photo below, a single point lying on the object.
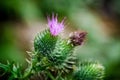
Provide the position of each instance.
(53, 58)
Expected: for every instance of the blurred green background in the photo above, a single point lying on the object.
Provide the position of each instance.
(20, 20)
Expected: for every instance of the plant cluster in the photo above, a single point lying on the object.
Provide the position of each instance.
(53, 58)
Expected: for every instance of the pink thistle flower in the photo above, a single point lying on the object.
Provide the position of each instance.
(55, 26)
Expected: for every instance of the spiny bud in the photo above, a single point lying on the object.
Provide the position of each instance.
(77, 38)
(89, 71)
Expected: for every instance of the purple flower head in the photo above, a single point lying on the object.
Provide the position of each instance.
(55, 26)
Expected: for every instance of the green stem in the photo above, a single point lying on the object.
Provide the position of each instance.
(29, 69)
(57, 78)
(50, 75)
(27, 74)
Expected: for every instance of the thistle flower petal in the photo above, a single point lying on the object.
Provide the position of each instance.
(55, 26)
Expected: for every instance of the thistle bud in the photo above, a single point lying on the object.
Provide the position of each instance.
(77, 38)
(89, 70)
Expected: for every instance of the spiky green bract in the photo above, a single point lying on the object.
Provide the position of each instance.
(44, 42)
(89, 71)
(61, 51)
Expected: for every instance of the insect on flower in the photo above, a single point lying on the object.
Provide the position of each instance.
(55, 26)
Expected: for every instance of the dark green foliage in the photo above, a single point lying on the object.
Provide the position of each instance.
(89, 71)
(4, 71)
(10, 71)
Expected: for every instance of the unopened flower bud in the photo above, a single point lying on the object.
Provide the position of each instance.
(77, 38)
